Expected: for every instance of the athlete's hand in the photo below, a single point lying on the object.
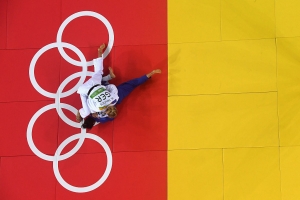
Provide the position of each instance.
(95, 115)
(78, 117)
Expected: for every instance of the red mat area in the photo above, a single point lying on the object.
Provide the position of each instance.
(14, 72)
(31, 23)
(135, 176)
(134, 22)
(141, 125)
(26, 177)
(137, 137)
(14, 126)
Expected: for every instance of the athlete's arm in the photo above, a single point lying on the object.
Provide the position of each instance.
(85, 110)
(78, 117)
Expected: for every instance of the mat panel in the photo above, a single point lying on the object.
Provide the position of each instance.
(195, 21)
(287, 18)
(142, 120)
(13, 141)
(32, 24)
(135, 175)
(222, 67)
(243, 20)
(195, 174)
(289, 165)
(288, 90)
(252, 173)
(26, 177)
(15, 71)
(134, 22)
(223, 121)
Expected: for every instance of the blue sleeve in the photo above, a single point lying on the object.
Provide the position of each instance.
(104, 120)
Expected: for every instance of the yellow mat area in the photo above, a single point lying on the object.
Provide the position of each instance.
(234, 100)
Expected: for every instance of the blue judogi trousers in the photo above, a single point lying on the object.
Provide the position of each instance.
(123, 91)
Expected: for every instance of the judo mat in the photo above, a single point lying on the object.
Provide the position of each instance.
(220, 122)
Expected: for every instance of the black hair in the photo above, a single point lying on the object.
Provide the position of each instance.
(88, 122)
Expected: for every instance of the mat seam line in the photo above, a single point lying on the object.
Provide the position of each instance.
(225, 148)
(37, 48)
(236, 93)
(278, 118)
(169, 150)
(218, 41)
(29, 101)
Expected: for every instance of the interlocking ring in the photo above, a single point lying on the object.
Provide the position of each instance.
(58, 106)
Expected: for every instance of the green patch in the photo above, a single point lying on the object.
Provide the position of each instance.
(98, 91)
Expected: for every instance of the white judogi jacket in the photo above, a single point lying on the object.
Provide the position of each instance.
(90, 105)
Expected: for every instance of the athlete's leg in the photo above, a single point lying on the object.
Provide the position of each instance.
(126, 88)
(156, 71)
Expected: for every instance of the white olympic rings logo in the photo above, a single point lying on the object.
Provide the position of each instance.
(58, 106)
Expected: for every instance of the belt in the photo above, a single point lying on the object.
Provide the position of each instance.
(90, 90)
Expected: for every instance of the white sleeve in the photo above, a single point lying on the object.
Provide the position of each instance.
(85, 110)
(98, 64)
(98, 67)
(106, 78)
(95, 79)
(83, 90)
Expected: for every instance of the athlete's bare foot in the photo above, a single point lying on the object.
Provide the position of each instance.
(111, 72)
(100, 50)
(156, 71)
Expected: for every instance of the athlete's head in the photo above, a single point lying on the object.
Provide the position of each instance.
(111, 111)
(88, 122)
